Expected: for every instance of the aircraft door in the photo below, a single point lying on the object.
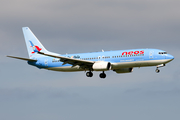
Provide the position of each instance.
(151, 53)
(46, 62)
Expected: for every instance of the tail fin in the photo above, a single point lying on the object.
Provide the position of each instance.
(33, 44)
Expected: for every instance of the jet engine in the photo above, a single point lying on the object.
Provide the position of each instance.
(101, 66)
(124, 70)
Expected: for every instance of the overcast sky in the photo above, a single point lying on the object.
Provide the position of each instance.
(77, 26)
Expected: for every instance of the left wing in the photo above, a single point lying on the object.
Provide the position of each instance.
(82, 63)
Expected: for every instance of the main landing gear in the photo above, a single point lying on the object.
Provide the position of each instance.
(102, 75)
(90, 74)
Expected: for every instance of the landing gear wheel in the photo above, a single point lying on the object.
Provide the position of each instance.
(89, 74)
(102, 75)
(157, 70)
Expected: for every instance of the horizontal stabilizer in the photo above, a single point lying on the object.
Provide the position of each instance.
(26, 59)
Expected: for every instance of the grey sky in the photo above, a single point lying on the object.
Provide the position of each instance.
(75, 26)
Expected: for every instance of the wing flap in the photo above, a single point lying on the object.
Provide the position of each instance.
(26, 59)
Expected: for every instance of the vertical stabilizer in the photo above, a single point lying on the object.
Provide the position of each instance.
(32, 43)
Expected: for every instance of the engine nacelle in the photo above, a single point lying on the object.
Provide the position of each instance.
(101, 66)
(124, 70)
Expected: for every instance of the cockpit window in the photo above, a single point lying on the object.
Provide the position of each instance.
(162, 53)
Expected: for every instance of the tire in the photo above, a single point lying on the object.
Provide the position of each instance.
(102, 75)
(157, 70)
(89, 74)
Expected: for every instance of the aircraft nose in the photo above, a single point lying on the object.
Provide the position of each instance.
(170, 57)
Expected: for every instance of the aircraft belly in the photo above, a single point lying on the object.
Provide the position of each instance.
(138, 64)
(114, 65)
(66, 69)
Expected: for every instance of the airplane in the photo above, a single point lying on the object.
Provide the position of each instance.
(120, 61)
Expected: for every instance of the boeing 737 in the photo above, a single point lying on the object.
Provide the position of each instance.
(121, 61)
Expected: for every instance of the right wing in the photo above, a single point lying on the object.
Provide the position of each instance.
(26, 59)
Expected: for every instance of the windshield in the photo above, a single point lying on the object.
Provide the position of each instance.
(162, 52)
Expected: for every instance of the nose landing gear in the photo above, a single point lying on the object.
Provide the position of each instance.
(157, 70)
